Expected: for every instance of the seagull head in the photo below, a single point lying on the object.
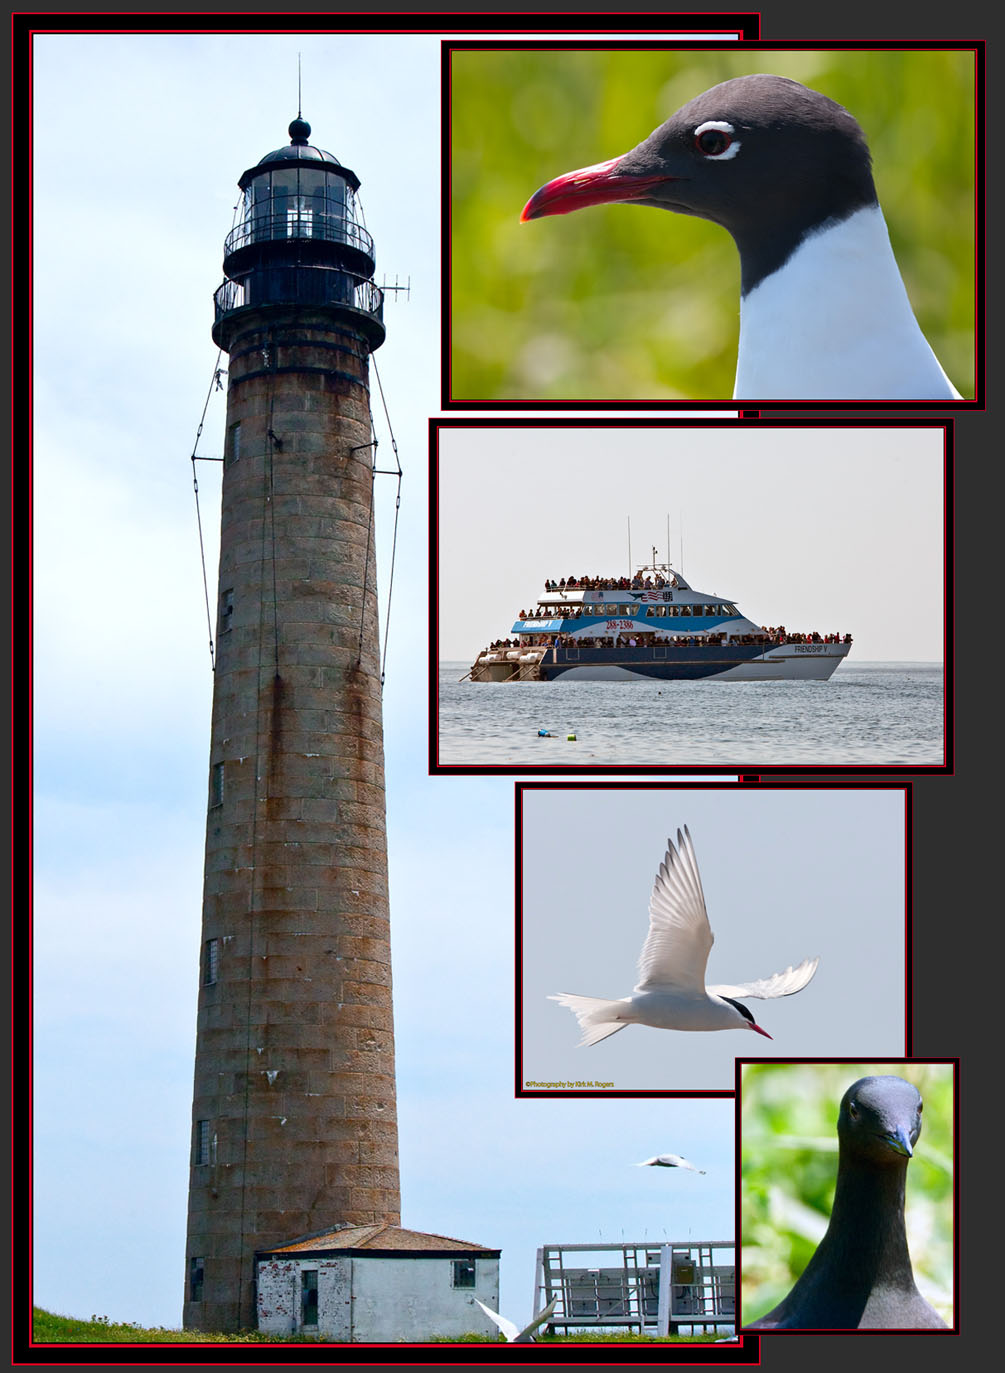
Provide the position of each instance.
(763, 156)
(880, 1119)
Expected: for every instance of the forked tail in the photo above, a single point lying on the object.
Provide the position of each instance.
(597, 1018)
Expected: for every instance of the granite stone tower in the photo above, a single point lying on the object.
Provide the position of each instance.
(293, 1124)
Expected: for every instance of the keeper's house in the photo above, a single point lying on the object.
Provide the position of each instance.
(376, 1284)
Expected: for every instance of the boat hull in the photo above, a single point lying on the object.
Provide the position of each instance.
(713, 662)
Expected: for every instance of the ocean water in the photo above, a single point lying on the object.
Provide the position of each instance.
(867, 714)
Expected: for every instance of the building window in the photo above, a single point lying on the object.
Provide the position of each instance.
(464, 1273)
(210, 961)
(309, 1296)
(205, 1143)
(232, 450)
(216, 785)
(226, 609)
(196, 1269)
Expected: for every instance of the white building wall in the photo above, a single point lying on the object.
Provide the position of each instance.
(377, 1300)
(278, 1296)
(413, 1299)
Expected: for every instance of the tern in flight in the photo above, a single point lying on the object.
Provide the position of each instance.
(668, 1161)
(671, 992)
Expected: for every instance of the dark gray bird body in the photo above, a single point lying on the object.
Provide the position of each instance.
(860, 1277)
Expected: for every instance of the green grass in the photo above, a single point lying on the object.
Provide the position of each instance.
(48, 1328)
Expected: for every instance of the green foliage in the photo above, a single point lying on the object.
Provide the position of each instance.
(51, 1329)
(627, 302)
(48, 1328)
(789, 1165)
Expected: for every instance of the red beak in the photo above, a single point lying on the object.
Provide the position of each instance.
(759, 1030)
(597, 185)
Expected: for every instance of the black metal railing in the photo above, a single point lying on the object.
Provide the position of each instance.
(300, 286)
(294, 224)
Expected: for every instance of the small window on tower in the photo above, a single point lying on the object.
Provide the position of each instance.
(196, 1268)
(233, 448)
(226, 609)
(464, 1273)
(210, 961)
(216, 785)
(309, 1296)
(205, 1144)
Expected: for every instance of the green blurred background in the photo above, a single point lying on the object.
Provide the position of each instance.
(630, 303)
(789, 1164)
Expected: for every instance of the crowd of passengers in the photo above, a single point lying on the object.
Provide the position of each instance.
(644, 639)
(636, 583)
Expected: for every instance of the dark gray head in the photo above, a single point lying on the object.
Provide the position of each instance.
(880, 1120)
(765, 157)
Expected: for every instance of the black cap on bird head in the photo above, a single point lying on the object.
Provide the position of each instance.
(764, 156)
(880, 1119)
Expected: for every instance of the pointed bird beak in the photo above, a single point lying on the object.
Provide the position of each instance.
(601, 184)
(899, 1141)
(759, 1030)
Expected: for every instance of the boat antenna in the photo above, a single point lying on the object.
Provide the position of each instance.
(669, 559)
(629, 545)
(681, 522)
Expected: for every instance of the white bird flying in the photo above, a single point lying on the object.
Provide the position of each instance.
(669, 1161)
(671, 992)
(509, 1329)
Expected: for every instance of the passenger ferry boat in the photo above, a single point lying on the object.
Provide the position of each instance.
(652, 625)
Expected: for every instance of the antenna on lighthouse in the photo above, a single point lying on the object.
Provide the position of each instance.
(300, 103)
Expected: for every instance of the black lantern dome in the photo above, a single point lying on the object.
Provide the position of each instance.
(299, 241)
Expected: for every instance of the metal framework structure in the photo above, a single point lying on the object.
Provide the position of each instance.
(665, 1286)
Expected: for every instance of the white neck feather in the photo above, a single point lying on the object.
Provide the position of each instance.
(835, 323)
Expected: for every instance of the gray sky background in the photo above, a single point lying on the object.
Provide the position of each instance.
(787, 875)
(816, 529)
(139, 143)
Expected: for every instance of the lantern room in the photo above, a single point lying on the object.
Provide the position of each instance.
(299, 241)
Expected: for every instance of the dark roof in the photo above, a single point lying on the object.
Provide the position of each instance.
(380, 1239)
(299, 150)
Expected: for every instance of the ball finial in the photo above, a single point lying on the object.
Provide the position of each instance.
(300, 131)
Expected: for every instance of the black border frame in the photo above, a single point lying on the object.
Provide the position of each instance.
(880, 1061)
(946, 767)
(749, 405)
(519, 1090)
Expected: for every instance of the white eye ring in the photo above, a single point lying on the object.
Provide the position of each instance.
(718, 126)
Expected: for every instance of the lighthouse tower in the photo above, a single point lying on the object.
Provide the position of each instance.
(293, 1123)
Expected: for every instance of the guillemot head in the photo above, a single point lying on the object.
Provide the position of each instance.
(764, 156)
(880, 1119)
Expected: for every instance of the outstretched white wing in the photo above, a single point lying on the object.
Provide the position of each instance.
(545, 1315)
(778, 984)
(510, 1330)
(507, 1327)
(676, 949)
